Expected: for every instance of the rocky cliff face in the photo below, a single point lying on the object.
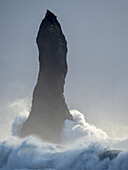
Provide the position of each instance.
(49, 110)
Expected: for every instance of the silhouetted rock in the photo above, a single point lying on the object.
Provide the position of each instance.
(49, 110)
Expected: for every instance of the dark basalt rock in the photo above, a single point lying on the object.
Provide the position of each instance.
(110, 154)
(49, 110)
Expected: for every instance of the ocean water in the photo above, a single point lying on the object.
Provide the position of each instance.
(83, 147)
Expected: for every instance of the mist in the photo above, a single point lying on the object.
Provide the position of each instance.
(96, 88)
(83, 147)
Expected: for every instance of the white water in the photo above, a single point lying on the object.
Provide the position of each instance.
(81, 146)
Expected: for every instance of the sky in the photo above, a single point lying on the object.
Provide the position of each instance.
(97, 36)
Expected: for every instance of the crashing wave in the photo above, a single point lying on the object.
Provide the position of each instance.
(84, 147)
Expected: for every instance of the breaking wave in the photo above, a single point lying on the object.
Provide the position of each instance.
(84, 147)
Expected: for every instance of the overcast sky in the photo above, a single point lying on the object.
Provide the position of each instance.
(97, 36)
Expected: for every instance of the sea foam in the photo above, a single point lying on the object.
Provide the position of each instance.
(83, 147)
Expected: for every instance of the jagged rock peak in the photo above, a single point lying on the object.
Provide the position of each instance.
(50, 15)
(49, 110)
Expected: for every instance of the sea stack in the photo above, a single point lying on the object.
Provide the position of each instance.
(49, 110)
